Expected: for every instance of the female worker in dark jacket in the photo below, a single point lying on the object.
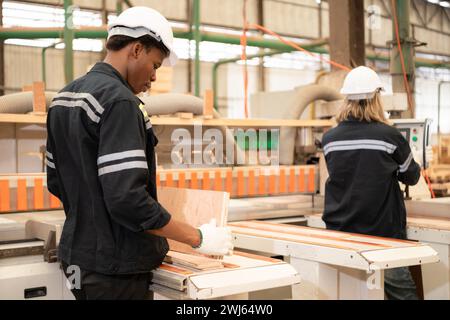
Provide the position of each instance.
(366, 158)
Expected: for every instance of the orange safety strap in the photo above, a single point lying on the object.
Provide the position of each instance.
(272, 181)
(229, 182)
(261, 183)
(292, 180)
(217, 181)
(194, 183)
(282, 181)
(251, 182)
(22, 201)
(240, 183)
(158, 180)
(181, 180)
(301, 180)
(4, 196)
(312, 180)
(38, 194)
(169, 179)
(206, 183)
(54, 202)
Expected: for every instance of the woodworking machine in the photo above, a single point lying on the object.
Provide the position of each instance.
(29, 269)
(28, 263)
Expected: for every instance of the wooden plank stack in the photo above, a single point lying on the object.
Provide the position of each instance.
(163, 83)
(439, 175)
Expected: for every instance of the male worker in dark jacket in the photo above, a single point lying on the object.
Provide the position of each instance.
(101, 164)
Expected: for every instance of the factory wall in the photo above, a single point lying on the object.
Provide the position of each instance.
(23, 65)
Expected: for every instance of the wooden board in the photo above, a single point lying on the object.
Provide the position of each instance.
(39, 101)
(163, 83)
(193, 261)
(208, 104)
(321, 237)
(429, 222)
(194, 207)
(175, 121)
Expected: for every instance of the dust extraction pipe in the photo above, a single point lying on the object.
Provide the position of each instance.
(304, 96)
(169, 103)
(22, 102)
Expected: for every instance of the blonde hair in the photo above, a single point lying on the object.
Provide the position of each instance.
(363, 110)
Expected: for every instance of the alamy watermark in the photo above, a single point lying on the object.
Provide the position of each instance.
(374, 280)
(69, 16)
(73, 275)
(225, 147)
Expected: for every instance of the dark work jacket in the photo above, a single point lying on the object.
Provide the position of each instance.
(101, 164)
(365, 161)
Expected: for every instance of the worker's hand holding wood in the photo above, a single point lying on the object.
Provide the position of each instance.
(215, 240)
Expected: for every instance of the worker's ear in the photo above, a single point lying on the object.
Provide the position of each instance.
(136, 49)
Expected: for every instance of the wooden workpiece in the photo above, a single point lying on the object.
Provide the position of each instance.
(196, 262)
(194, 207)
(312, 236)
(438, 223)
(241, 273)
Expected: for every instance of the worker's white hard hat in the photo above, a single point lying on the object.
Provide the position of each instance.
(139, 21)
(361, 83)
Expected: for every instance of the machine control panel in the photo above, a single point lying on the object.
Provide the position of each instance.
(417, 133)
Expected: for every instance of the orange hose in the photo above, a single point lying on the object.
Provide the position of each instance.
(296, 46)
(287, 42)
(427, 179)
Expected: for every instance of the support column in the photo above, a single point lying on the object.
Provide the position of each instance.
(261, 69)
(347, 45)
(2, 55)
(68, 40)
(402, 7)
(197, 38)
(189, 16)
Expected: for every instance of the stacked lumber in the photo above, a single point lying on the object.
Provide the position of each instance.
(163, 83)
(439, 175)
(444, 150)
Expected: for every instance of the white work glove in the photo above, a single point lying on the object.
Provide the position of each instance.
(418, 157)
(215, 240)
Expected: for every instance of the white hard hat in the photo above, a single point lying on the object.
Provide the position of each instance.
(361, 83)
(138, 21)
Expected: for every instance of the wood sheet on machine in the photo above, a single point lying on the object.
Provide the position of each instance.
(194, 207)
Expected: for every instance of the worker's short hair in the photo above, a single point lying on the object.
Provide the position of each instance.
(116, 43)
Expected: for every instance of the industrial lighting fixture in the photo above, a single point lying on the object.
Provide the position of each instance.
(434, 1)
(444, 4)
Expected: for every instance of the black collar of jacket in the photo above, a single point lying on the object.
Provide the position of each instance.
(353, 119)
(109, 70)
